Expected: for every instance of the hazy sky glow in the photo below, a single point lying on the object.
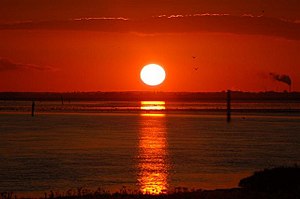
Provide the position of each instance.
(73, 45)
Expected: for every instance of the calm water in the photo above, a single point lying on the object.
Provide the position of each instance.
(81, 144)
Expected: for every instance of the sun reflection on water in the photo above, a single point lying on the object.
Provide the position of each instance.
(152, 165)
(153, 105)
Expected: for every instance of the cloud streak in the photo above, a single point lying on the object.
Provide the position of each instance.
(219, 23)
(101, 18)
(8, 65)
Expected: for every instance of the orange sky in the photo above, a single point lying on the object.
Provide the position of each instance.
(102, 45)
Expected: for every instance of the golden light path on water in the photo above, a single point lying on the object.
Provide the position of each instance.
(152, 165)
(153, 105)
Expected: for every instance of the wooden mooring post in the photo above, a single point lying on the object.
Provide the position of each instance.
(32, 108)
(228, 105)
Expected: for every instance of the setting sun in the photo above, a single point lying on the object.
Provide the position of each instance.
(153, 74)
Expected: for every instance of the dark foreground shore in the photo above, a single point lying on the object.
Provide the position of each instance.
(235, 193)
(275, 183)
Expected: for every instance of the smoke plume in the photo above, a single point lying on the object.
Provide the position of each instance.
(281, 78)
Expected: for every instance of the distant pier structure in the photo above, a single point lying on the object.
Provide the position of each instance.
(228, 106)
(62, 100)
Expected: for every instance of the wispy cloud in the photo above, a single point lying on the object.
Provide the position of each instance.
(193, 15)
(222, 23)
(8, 65)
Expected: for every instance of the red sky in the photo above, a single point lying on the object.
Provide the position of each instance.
(73, 45)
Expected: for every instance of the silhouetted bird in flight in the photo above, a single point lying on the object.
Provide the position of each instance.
(196, 68)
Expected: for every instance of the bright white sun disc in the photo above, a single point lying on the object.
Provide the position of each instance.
(153, 74)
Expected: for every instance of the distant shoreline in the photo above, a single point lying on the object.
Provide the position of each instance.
(150, 96)
(172, 111)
